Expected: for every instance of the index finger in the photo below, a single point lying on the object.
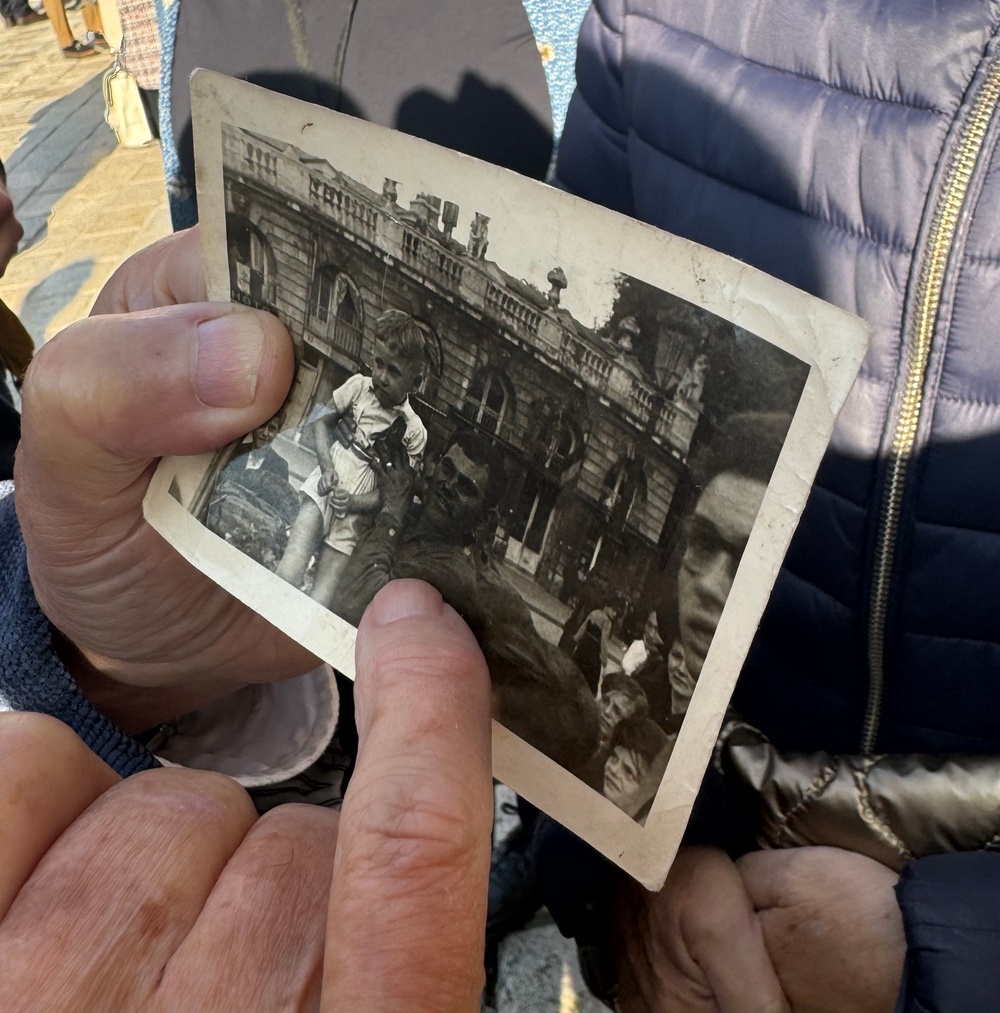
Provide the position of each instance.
(408, 905)
(168, 273)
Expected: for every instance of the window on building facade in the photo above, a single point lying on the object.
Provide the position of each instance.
(252, 273)
(624, 488)
(337, 311)
(563, 447)
(490, 401)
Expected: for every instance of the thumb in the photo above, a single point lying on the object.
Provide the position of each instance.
(110, 394)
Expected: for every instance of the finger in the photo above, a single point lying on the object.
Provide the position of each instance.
(49, 778)
(408, 904)
(726, 941)
(110, 903)
(790, 876)
(166, 273)
(766, 877)
(109, 394)
(744, 979)
(259, 942)
(101, 402)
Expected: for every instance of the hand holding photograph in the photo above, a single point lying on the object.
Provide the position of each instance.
(593, 438)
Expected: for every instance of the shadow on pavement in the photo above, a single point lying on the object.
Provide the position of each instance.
(67, 139)
(51, 295)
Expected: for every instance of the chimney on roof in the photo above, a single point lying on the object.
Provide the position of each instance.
(449, 218)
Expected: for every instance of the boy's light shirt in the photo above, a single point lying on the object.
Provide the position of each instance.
(359, 386)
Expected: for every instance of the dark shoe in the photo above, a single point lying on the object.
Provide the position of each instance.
(78, 50)
(32, 17)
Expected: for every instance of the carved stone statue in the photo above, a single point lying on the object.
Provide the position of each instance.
(479, 236)
(693, 381)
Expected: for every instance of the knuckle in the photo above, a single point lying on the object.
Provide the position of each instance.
(200, 799)
(408, 830)
(417, 649)
(29, 731)
(38, 749)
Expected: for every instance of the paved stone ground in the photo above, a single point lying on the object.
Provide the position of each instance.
(537, 968)
(86, 205)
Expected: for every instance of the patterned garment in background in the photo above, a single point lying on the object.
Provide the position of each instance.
(321, 784)
(140, 52)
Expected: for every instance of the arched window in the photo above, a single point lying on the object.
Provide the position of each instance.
(564, 447)
(337, 310)
(252, 272)
(490, 401)
(624, 487)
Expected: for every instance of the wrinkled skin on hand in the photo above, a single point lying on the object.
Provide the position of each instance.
(832, 927)
(696, 946)
(165, 893)
(806, 930)
(154, 370)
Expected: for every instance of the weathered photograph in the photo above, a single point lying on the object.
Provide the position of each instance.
(592, 437)
(581, 493)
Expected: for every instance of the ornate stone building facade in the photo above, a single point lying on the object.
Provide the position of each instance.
(595, 450)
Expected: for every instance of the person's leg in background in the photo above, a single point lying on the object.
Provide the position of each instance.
(64, 36)
(18, 12)
(95, 26)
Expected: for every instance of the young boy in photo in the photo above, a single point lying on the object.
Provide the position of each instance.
(635, 764)
(341, 493)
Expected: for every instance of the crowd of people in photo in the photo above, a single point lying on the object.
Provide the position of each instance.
(369, 511)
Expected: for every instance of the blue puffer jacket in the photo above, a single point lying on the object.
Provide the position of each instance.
(850, 148)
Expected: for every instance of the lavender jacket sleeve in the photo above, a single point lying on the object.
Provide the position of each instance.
(32, 678)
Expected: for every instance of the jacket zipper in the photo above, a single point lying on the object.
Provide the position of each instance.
(947, 212)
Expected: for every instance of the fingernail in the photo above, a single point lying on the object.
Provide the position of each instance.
(230, 350)
(404, 599)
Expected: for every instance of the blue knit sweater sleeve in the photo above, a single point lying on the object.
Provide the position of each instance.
(31, 676)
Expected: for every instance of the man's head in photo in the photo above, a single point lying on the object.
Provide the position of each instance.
(732, 474)
(621, 697)
(466, 483)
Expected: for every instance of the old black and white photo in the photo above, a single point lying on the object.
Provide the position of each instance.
(571, 450)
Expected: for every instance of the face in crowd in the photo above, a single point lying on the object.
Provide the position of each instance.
(638, 743)
(394, 376)
(717, 534)
(615, 706)
(624, 771)
(456, 494)
(651, 634)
